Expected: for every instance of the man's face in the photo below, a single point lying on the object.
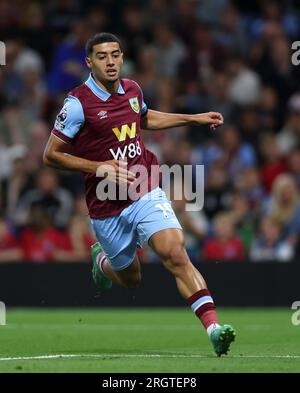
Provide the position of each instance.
(106, 61)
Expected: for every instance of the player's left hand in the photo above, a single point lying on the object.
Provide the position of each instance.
(213, 119)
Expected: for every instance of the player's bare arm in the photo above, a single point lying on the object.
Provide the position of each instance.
(55, 156)
(154, 120)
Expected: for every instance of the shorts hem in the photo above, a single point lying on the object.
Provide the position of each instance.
(122, 267)
(162, 229)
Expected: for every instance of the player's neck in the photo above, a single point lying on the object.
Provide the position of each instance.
(110, 87)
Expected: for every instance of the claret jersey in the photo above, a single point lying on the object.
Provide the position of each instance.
(100, 126)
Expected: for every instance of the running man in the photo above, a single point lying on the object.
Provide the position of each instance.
(101, 120)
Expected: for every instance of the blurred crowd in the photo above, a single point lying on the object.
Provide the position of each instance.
(189, 56)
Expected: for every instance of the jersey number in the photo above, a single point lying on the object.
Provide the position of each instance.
(165, 208)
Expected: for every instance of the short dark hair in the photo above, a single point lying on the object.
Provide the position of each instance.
(100, 38)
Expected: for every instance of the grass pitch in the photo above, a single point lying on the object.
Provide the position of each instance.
(145, 340)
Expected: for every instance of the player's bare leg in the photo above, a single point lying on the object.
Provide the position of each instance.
(103, 273)
(128, 278)
(169, 246)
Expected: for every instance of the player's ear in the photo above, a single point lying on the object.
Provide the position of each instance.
(88, 62)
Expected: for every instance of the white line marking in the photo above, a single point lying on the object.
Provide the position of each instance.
(122, 355)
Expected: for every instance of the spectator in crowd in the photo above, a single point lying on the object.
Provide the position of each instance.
(237, 155)
(35, 94)
(97, 18)
(289, 136)
(248, 182)
(68, 66)
(24, 58)
(169, 50)
(49, 196)
(294, 165)
(10, 250)
(15, 186)
(203, 56)
(154, 8)
(231, 31)
(218, 96)
(269, 111)
(40, 241)
(242, 79)
(249, 125)
(217, 191)
(273, 162)
(243, 217)
(147, 74)
(268, 245)
(78, 237)
(224, 245)
(166, 95)
(194, 224)
(193, 101)
(284, 207)
(24, 81)
(271, 58)
(276, 12)
(211, 11)
(184, 17)
(20, 58)
(38, 137)
(62, 14)
(281, 69)
(14, 126)
(134, 29)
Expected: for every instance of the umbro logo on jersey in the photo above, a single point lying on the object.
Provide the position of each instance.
(102, 115)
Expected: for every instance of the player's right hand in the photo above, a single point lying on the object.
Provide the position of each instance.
(116, 172)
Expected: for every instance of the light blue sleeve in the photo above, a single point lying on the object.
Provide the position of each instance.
(71, 117)
(144, 106)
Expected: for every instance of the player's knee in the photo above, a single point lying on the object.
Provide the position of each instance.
(175, 255)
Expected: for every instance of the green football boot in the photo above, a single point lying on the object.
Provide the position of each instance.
(100, 280)
(221, 338)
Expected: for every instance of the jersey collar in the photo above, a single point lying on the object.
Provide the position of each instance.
(100, 93)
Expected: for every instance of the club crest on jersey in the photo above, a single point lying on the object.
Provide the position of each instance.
(135, 104)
